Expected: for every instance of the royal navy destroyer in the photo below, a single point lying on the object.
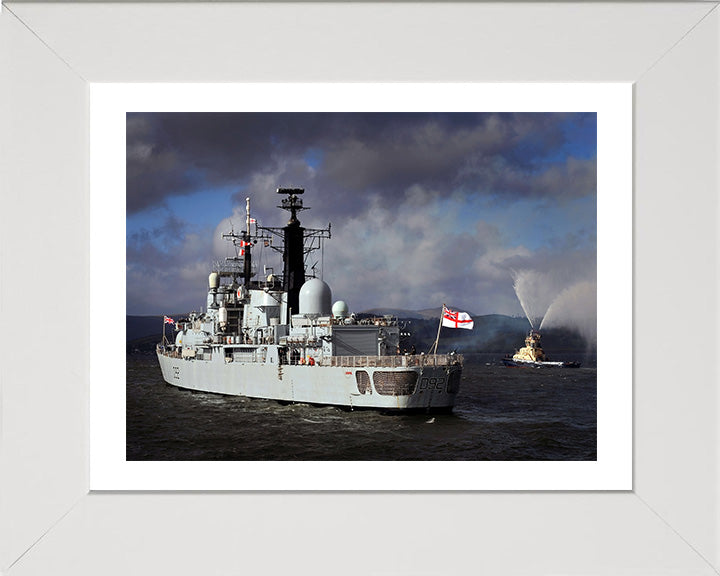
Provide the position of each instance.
(280, 338)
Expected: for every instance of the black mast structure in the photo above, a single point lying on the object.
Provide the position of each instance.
(294, 245)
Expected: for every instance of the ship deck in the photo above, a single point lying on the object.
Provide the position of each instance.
(395, 361)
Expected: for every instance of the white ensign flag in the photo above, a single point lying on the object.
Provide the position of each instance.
(452, 319)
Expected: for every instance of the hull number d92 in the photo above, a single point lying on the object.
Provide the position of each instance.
(432, 383)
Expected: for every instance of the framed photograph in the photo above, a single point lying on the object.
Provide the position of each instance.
(72, 501)
(577, 124)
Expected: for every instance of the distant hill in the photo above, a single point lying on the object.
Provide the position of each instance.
(435, 313)
(397, 312)
(427, 313)
(491, 333)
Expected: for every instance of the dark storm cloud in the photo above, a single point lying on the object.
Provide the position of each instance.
(438, 150)
(173, 153)
(177, 153)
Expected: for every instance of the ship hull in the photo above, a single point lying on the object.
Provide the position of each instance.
(428, 388)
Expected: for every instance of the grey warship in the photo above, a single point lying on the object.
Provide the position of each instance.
(281, 338)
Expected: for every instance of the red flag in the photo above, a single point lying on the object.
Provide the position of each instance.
(168, 320)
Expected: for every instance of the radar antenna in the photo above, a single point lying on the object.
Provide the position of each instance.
(292, 203)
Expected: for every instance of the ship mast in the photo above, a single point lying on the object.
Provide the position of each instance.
(294, 245)
(247, 265)
(243, 243)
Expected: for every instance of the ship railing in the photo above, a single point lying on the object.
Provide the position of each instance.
(170, 353)
(400, 361)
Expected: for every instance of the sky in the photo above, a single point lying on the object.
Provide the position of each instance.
(426, 208)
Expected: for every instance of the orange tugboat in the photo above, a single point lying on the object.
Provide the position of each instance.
(533, 356)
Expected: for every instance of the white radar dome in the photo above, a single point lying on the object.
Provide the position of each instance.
(315, 297)
(214, 280)
(340, 309)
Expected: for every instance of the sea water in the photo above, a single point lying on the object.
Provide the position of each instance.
(500, 414)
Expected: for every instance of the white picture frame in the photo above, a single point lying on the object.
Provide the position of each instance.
(668, 523)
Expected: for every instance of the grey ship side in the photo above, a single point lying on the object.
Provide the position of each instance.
(282, 339)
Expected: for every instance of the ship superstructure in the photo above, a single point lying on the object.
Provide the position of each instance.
(532, 351)
(282, 338)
